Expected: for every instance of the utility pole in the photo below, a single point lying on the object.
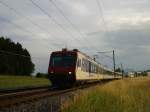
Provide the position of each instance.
(114, 62)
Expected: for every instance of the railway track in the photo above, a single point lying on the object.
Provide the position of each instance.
(8, 99)
(24, 89)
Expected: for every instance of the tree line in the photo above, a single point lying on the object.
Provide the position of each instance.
(14, 59)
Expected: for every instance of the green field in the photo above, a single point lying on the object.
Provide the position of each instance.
(128, 95)
(9, 81)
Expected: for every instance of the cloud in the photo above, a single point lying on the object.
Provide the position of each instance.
(127, 22)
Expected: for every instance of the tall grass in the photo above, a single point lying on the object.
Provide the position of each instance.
(128, 95)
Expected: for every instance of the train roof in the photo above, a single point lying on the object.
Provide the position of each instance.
(77, 51)
(64, 50)
(74, 51)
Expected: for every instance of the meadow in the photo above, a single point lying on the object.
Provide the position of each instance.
(9, 81)
(127, 95)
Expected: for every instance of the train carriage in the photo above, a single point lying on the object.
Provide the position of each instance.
(68, 67)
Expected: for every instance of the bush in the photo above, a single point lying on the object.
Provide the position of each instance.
(41, 75)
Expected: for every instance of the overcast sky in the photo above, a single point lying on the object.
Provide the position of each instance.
(43, 26)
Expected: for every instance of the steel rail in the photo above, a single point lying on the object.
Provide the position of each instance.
(20, 89)
(10, 99)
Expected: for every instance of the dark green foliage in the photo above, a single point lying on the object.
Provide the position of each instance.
(14, 59)
(42, 75)
(143, 73)
(118, 70)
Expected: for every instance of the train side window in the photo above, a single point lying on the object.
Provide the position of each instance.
(86, 65)
(97, 69)
(79, 62)
(89, 67)
(82, 66)
(92, 68)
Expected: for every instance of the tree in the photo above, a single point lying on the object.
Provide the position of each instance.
(118, 70)
(14, 59)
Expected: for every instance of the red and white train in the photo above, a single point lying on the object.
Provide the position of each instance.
(68, 67)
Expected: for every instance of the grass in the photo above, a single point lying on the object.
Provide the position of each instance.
(128, 95)
(9, 81)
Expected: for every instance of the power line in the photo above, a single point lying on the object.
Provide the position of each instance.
(105, 52)
(66, 18)
(4, 52)
(114, 62)
(19, 27)
(103, 19)
(25, 17)
(11, 53)
(101, 14)
(28, 19)
(18, 13)
(106, 29)
(108, 56)
(50, 17)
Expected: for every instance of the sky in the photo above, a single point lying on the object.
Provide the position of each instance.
(92, 26)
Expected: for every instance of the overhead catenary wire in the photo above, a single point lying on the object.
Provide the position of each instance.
(105, 26)
(11, 53)
(4, 52)
(35, 23)
(68, 20)
(53, 20)
(25, 17)
(17, 26)
(102, 16)
(21, 28)
(108, 56)
(112, 58)
(103, 57)
(99, 4)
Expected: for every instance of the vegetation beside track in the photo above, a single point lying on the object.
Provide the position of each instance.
(12, 82)
(128, 95)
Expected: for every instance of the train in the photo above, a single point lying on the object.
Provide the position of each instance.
(70, 67)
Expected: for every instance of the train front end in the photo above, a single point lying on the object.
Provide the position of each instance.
(62, 68)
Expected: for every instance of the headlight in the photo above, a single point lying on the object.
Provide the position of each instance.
(70, 72)
(52, 72)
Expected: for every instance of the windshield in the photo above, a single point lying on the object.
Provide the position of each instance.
(64, 61)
